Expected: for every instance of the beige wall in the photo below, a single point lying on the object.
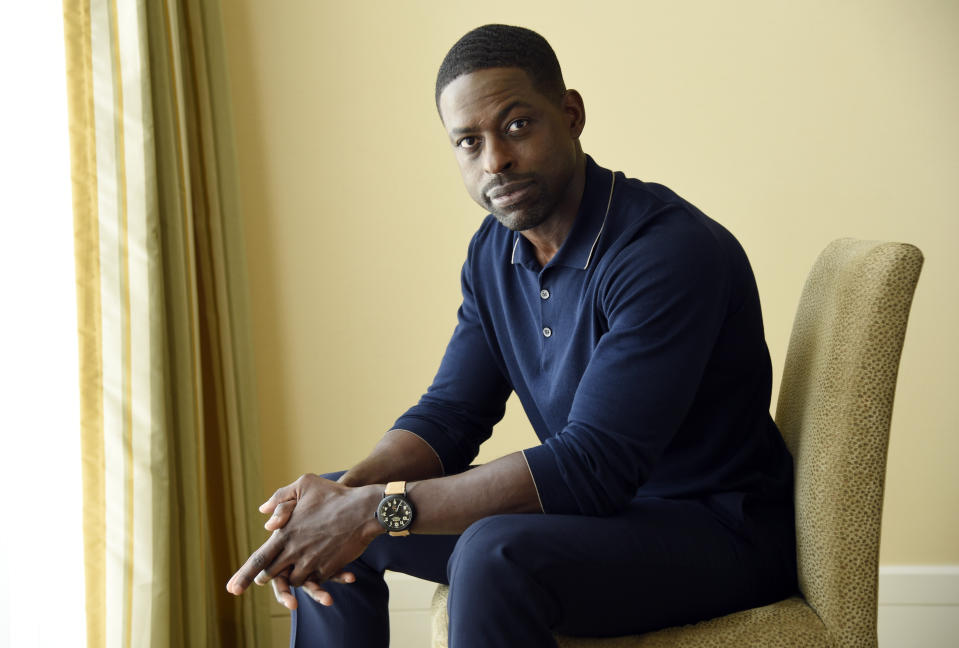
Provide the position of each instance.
(793, 123)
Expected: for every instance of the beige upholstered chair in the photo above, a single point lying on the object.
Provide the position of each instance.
(835, 404)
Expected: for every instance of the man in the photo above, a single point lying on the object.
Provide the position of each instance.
(628, 323)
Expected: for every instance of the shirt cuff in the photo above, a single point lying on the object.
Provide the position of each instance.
(554, 493)
(450, 455)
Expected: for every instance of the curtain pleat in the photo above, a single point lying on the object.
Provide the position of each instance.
(86, 234)
(170, 451)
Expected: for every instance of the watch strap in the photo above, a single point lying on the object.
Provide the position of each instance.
(395, 488)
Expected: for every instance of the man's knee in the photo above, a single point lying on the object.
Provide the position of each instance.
(493, 575)
(489, 550)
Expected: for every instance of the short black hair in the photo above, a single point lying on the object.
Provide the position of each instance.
(493, 46)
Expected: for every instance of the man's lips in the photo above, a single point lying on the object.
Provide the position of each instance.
(510, 193)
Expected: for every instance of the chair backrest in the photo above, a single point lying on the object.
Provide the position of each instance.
(835, 405)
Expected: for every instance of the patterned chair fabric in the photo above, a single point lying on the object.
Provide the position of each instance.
(834, 410)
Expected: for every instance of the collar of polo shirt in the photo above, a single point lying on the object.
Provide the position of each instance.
(579, 248)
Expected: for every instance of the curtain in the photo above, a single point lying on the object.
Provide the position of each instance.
(169, 442)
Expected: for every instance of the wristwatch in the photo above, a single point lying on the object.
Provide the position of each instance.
(394, 511)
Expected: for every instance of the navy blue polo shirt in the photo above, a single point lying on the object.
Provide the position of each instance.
(637, 353)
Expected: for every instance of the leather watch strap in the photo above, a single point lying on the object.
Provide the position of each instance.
(395, 488)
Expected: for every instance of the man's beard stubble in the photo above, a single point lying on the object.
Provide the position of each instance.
(528, 214)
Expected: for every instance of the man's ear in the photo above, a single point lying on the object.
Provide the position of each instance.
(575, 112)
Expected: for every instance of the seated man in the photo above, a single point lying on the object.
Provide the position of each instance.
(628, 324)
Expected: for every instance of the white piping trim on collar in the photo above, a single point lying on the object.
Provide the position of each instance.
(608, 204)
(512, 258)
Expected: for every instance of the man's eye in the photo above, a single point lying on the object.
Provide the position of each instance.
(517, 124)
(466, 143)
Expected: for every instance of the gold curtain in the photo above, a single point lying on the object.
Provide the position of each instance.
(169, 444)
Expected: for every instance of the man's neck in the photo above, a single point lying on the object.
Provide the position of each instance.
(548, 237)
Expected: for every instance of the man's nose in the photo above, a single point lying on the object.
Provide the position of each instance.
(497, 157)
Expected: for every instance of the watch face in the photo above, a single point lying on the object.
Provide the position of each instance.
(395, 513)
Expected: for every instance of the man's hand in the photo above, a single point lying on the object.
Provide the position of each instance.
(280, 510)
(318, 527)
(284, 594)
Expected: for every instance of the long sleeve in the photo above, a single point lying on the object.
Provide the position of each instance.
(640, 385)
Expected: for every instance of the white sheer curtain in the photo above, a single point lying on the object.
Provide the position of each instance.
(41, 592)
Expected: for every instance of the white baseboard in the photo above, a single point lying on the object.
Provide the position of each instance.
(919, 585)
(918, 607)
(408, 593)
(410, 600)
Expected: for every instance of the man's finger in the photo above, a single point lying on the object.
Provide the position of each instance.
(303, 572)
(321, 595)
(283, 593)
(317, 593)
(281, 495)
(261, 559)
(344, 577)
(281, 515)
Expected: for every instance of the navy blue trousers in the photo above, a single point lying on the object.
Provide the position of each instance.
(516, 579)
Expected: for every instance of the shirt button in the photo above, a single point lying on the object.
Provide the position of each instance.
(544, 293)
(547, 331)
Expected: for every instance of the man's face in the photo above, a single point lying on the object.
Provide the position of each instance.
(517, 149)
